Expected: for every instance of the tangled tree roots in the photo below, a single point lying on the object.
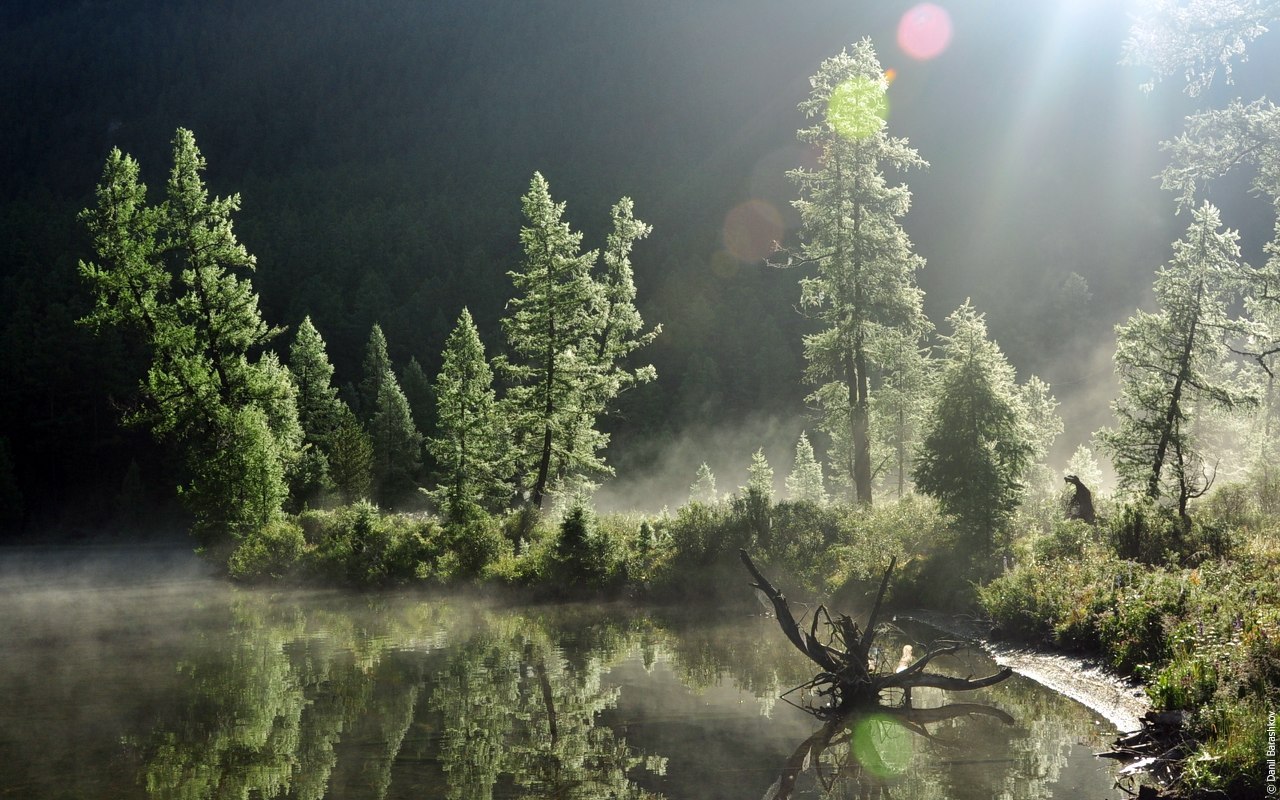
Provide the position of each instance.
(847, 679)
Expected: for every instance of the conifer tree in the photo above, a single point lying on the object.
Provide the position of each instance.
(804, 484)
(421, 396)
(351, 458)
(1170, 360)
(617, 330)
(468, 449)
(397, 445)
(703, 489)
(375, 367)
(318, 403)
(760, 477)
(549, 326)
(901, 406)
(176, 274)
(319, 409)
(864, 280)
(977, 445)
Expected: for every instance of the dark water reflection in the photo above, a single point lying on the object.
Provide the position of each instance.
(177, 686)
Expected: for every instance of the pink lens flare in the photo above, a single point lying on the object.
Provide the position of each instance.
(924, 31)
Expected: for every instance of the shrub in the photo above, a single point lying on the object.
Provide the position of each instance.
(358, 545)
(272, 551)
(475, 544)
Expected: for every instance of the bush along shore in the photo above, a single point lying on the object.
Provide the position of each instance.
(1191, 609)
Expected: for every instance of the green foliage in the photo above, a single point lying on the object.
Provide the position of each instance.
(469, 450)
(589, 555)
(804, 484)
(977, 444)
(548, 327)
(374, 370)
(173, 274)
(703, 488)
(476, 542)
(351, 458)
(1174, 361)
(865, 285)
(360, 546)
(397, 445)
(320, 412)
(270, 552)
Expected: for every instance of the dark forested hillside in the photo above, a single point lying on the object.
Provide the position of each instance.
(381, 150)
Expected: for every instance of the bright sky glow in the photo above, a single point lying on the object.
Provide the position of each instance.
(924, 31)
(857, 107)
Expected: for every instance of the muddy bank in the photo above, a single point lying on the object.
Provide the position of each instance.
(1121, 701)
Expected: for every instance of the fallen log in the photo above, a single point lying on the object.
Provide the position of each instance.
(847, 678)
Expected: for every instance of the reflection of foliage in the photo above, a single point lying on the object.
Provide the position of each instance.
(391, 696)
(515, 702)
(520, 696)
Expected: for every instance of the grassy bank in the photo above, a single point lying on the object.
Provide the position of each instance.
(1194, 613)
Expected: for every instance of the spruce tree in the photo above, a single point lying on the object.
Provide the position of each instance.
(549, 332)
(1170, 361)
(397, 445)
(864, 265)
(351, 458)
(374, 368)
(421, 396)
(703, 489)
(319, 409)
(468, 450)
(804, 484)
(318, 403)
(977, 444)
(175, 274)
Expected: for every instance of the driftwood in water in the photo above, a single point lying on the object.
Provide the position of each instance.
(848, 678)
(1157, 749)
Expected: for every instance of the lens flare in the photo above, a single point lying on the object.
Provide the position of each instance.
(890, 75)
(881, 745)
(857, 107)
(924, 31)
(751, 229)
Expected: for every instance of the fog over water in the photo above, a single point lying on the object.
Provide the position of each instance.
(133, 673)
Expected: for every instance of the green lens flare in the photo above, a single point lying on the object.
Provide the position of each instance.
(881, 746)
(857, 107)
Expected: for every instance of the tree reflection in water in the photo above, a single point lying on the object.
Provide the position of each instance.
(865, 752)
(313, 698)
(308, 705)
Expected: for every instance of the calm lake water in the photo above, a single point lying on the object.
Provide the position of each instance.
(132, 674)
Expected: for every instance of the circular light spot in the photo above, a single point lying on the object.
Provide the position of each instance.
(857, 107)
(890, 75)
(881, 745)
(750, 230)
(924, 31)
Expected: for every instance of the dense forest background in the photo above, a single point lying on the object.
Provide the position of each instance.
(381, 151)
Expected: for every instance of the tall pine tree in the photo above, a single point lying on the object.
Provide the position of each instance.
(469, 452)
(977, 444)
(864, 281)
(176, 274)
(1170, 360)
(549, 326)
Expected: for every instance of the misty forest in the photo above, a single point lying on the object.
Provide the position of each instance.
(572, 399)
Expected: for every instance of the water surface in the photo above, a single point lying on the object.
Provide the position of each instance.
(133, 674)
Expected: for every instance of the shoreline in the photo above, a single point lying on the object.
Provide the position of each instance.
(1120, 701)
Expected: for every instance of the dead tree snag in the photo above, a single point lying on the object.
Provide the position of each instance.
(847, 678)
